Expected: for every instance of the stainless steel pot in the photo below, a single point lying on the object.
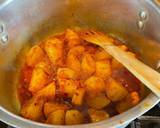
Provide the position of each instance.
(22, 22)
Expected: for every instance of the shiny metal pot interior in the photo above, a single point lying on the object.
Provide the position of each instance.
(136, 22)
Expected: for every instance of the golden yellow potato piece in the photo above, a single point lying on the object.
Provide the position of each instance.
(57, 117)
(94, 85)
(73, 117)
(103, 69)
(97, 115)
(54, 50)
(74, 57)
(45, 66)
(53, 106)
(48, 91)
(34, 56)
(115, 91)
(72, 38)
(131, 100)
(32, 109)
(88, 65)
(98, 102)
(78, 96)
(115, 64)
(102, 55)
(38, 80)
(66, 73)
(67, 87)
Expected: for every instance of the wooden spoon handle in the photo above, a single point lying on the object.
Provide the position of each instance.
(144, 73)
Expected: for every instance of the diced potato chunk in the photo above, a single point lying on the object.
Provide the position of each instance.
(66, 73)
(35, 55)
(131, 100)
(32, 109)
(68, 87)
(54, 50)
(57, 117)
(103, 69)
(48, 92)
(97, 115)
(94, 85)
(45, 66)
(115, 91)
(72, 38)
(102, 55)
(88, 65)
(38, 80)
(74, 57)
(53, 106)
(98, 102)
(73, 117)
(78, 96)
(115, 64)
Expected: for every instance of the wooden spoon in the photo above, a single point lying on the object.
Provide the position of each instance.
(144, 73)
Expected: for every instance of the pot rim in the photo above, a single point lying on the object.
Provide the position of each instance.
(118, 120)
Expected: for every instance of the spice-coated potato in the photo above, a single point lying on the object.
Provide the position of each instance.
(34, 56)
(78, 96)
(94, 85)
(97, 115)
(53, 106)
(131, 100)
(88, 65)
(57, 117)
(103, 69)
(115, 64)
(54, 50)
(102, 55)
(68, 87)
(98, 102)
(72, 38)
(115, 91)
(66, 73)
(48, 92)
(32, 109)
(73, 117)
(38, 80)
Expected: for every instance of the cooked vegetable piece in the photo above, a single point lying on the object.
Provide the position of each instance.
(48, 91)
(102, 55)
(38, 80)
(88, 65)
(115, 64)
(45, 66)
(50, 107)
(94, 85)
(78, 96)
(115, 91)
(34, 56)
(131, 100)
(32, 109)
(98, 102)
(72, 38)
(103, 69)
(57, 117)
(74, 57)
(73, 117)
(123, 47)
(66, 73)
(54, 50)
(67, 87)
(97, 115)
